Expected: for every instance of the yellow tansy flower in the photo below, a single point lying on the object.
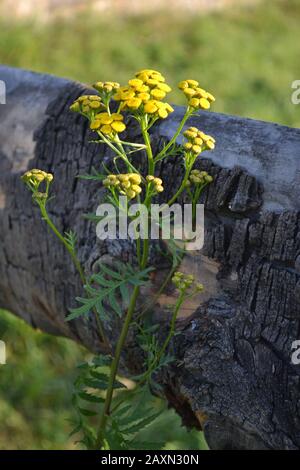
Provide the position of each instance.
(197, 141)
(127, 184)
(198, 98)
(108, 123)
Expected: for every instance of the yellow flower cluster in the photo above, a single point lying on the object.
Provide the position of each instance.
(158, 109)
(127, 184)
(106, 87)
(108, 123)
(197, 97)
(145, 91)
(198, 141)
(35, 177)
(198, 177)
(156, 183)
(87, 103)
(185, 281)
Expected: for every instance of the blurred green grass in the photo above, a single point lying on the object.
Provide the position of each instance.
(247, 57)
(36, 389)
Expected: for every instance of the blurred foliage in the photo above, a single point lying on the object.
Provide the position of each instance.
(36, 387)
(248, 57)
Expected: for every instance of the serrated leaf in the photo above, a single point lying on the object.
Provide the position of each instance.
(110, 272)
(97, 384)
(83, 310)
(99, 375)
(101, 280)
(102, 360)
(86, 412)
(114, 304)
(123, 410)
(124, 293)
(143, 423)
(90, 398)
(109, 289)
(76, 430)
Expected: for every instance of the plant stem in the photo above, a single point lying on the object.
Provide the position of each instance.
(119, 151)
(114, 367)
(63, 240)
(131, 309)
(181, 188)
(157, 359)
(161, 289)
(172, 329)
(77, 265)
(162, 153)
(151, 164)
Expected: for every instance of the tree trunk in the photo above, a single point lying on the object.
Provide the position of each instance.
(233, 376)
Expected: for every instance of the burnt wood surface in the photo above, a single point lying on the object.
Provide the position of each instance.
(233, 375)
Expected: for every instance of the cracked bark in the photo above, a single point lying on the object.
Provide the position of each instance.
(233, 375)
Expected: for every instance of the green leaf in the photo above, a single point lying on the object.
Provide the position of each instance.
(76, 430)
(110, 290)
(86, 412)
(71, 239)
(97, 384)
(114, 304)
(101, 311)
(102, 360)
(110, 272)
(88, 304)
(90, 397)
(101, 280)
(125, 293)
(99, 375)
(123, 411)
(144, 422)
(140, 445)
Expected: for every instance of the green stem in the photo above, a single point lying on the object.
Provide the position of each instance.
(121, 341)
(63, 240)
(179, 302)
(162, 153)
(131, 309)
(114, 367)
(157, 359)
(119, 151)
(161, 289)
(76, 263)
(151, 163)
(181, 188)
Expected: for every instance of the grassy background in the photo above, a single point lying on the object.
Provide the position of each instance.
(36, 388)
(247, 58)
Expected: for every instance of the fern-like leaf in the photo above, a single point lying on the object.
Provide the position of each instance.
(109, 285)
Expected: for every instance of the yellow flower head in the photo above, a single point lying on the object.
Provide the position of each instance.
(158, 109)
(106, 87)
(150, 77)
(156, 183)
(197, 97)
(86, 104)
(127, 184)
(199, 177)
(129, 97)
(186, 281)
(35, 177)
(197, 141)
(108, 123)
(147, 87)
